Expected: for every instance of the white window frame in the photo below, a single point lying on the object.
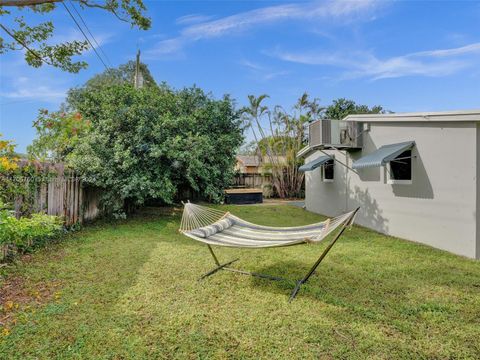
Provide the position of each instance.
(323, 173)
(391, 181)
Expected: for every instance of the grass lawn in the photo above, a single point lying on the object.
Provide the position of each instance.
(129, 291)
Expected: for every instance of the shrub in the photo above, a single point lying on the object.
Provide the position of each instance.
(20, 235)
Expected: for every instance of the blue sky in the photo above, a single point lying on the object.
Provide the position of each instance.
(403, 55)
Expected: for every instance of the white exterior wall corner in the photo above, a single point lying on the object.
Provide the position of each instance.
(327, 198)
(441, 206)
(477, 252)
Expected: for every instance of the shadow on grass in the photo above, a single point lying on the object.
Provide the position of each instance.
(290, 271)
(331, 283)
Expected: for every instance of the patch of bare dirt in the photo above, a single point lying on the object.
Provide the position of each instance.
(16, 294)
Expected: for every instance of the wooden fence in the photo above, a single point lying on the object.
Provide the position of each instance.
(254, 181)
(63, 196)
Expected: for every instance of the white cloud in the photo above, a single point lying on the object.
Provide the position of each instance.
(38, 93)
(274, 74)
(262, 72)
(192, 19)
(319, 58)
(30, 91)
(434, 63)
(251, 65)
(467, 49)
(318, 10)
(165, 47)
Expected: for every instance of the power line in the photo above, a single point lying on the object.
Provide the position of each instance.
(85, 35)
(93, 37)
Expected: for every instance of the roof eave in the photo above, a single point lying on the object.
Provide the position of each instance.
(307, 150)
(464, 115)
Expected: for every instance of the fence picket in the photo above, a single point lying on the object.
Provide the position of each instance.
(63, 196)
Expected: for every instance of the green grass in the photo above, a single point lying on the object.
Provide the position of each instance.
(129, 291)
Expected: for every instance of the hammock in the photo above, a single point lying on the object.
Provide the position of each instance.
(219, 228)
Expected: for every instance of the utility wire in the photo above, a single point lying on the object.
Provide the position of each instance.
(85, 35)
(93, 37)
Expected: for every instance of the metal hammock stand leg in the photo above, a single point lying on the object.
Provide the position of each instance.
(299, 283)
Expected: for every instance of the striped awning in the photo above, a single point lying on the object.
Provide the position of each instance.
(312, 165)
(383, 155)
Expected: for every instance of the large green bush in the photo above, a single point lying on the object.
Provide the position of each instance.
(155, 143)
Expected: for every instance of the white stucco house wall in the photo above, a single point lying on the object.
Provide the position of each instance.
(414, 175)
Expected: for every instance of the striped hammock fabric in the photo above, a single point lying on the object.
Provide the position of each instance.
(215, 227)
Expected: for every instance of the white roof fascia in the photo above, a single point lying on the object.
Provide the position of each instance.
(461, 115)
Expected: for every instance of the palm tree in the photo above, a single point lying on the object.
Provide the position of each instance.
(286, 136)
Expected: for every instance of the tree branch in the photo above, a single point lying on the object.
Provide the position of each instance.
(22, 3)
(93, 5)
(41, 2)
(33, 52)
(26, 2)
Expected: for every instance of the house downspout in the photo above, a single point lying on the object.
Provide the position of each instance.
(346, 181)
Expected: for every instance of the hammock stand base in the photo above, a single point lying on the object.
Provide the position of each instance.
(299, 283)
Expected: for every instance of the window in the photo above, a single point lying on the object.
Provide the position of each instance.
(400, 169)
(328, 170)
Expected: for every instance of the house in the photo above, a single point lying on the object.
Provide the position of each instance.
(248, 164)
(255, 164)
(414, 175)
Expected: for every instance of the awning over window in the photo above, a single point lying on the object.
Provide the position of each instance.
(383, 155)
(312, 165)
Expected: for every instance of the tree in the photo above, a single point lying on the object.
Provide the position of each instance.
(152, 143)
(279, 136)
(58, 133)
(124, 73)
(343, 107)
(33, 40)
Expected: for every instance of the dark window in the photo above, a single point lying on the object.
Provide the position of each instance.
(328, 170)
(401, 166)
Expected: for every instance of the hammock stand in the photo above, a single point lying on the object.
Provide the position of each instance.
(198, 218)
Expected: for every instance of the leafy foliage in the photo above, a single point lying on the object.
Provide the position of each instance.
(343, 107)
(33, 40)
(22, 183)
(19, 179)
(279, 136)
(23, 233)
(8, 167)
(153, 143)
(57, 134)
(8, 161)
(123, 74)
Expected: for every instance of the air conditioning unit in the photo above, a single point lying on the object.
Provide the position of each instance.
(335, 134)
(323, 132)
(351, 134)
